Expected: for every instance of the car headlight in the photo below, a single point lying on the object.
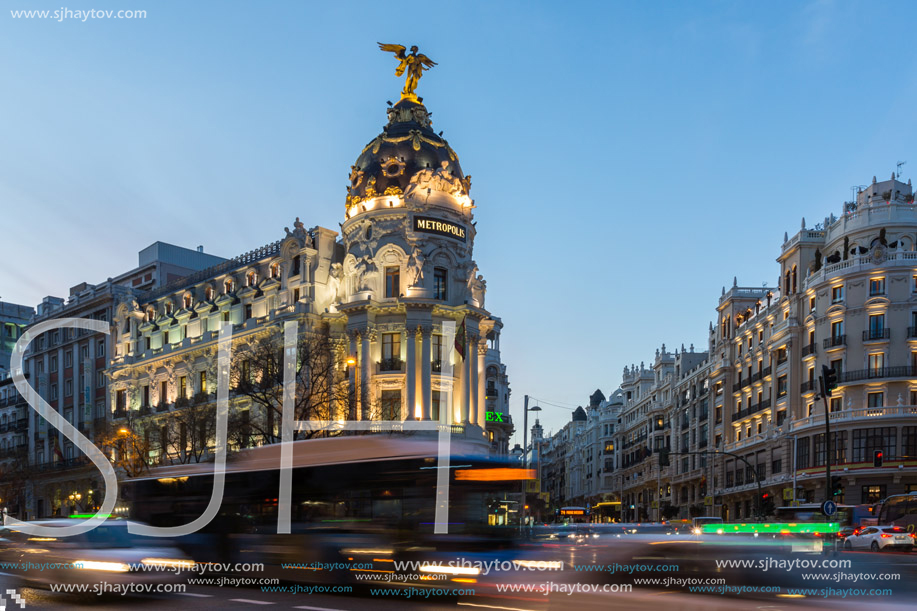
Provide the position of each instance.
(697, 531)
(168, 563)
(95, 565)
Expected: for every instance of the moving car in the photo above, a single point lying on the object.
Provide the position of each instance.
(108, 553)
(879, 538)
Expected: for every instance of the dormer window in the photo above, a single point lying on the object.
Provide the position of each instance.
(150, 314)
(275, 271)
(186, 301)
(168, 308)
(208, 294)
(227, 286)
(251, 278)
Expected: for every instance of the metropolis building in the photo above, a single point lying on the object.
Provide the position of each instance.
(396, 293)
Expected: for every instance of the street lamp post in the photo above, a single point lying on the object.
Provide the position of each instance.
(525, 450)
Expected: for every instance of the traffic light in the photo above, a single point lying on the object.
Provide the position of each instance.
(837, 488)
(829, 379)
(877, 458)
(663, 457)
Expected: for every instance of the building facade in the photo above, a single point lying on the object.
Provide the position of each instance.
(390, 312)
(741, 428)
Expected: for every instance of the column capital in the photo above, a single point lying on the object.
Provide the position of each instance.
(411, 331)
(482, 348)
(426, 330)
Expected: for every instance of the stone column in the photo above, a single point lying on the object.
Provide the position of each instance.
(410, 335)
(426, 387)
(465, 395)
(473, 378)
(482, 382)
(352, 377)
(367, 335)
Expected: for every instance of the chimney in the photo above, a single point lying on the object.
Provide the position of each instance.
(200, 249)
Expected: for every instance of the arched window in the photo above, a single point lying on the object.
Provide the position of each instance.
(786, 282)
(227, 285)
(168, 307)
(150, 314)
(186, 301)
(794, 279)
(251, 278)
(275, 270)
(208, 294)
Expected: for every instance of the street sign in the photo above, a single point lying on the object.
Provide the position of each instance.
(829, 508)
(787, 494)
(708, 501)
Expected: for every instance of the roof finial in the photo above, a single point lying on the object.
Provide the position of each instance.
(803, 223)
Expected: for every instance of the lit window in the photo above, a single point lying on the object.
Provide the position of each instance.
(251, 278)
(876, 286)
(439, 284)
(187, 301)
(275, 270)
(227, 286)
(208, 294)
(392, 282)
(837, 294)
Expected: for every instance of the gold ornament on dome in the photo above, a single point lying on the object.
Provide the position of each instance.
(394, 190)
(413, 63)
(371, 188)
(393, 167)
(356, 176)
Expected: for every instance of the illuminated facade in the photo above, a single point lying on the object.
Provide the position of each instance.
(396, 293)
(847, 299)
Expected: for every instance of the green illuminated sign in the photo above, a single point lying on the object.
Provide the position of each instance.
(493, 417)
(776, 528)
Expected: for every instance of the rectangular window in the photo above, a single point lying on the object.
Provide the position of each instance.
(53, 366)
(781, 386)
(163, 393)
(120, 400)
(145, 396)
(392, 282)
(437, 398)
(203, 381)
(440, 276)
(837, 294)
(777, 466)
(872, 494)
(100, 348)
(68, 359)
(183, 387)
(165, 338)
(867, 441)
(837, 404)
(248, 311)
(876, 286)
(909, 441)
(391, 345)
(837, 328)
(876, 323)
(876, 364)
(875, 399)
(391, 405)
(100, 380)
(68, 388)
(802, 453)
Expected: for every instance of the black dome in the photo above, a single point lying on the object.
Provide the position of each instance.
(579, 415)
(406, 146)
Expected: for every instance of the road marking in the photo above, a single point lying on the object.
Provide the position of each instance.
(318, 608)
(251, 602)
(195, 595)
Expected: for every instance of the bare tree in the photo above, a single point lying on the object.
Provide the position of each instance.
(15, 473)
(185, 433)
(126, 445)
(257, 373)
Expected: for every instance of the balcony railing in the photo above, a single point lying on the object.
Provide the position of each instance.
(766, 372)
(392, 364)
(808, 349)
(875, 334)
(807, 386)
(865, 414)
(837, 340)
(906, 371)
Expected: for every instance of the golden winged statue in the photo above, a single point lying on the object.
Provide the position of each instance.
(414, 63)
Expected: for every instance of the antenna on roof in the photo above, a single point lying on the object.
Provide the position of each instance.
(898, 173)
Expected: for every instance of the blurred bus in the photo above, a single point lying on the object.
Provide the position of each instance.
(847, 515)
(367, 492)
(899, 510)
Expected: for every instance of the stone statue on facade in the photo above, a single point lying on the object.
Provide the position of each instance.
(415, 267)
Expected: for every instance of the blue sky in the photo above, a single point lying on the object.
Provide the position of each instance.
(629, 158)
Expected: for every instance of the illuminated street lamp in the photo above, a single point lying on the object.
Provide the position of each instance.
(525, 450)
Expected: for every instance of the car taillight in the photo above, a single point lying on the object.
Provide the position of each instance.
(887, 536)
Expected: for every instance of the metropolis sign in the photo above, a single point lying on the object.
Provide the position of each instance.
(426, 224)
